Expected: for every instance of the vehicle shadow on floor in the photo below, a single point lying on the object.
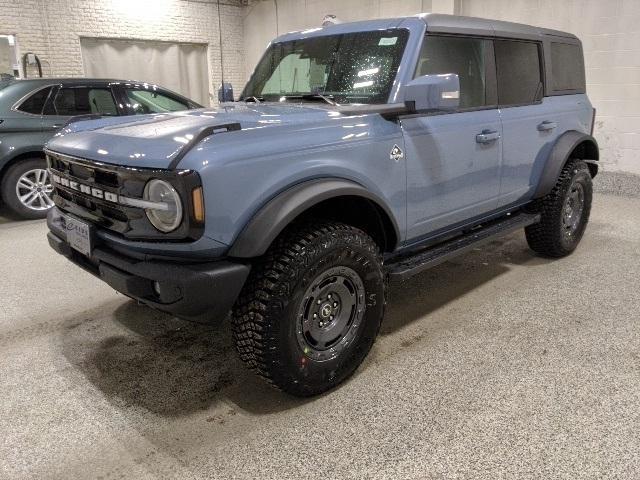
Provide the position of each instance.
(435, 288)
(171, 367)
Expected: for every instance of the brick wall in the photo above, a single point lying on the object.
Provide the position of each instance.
(610, 33)
(52, 29)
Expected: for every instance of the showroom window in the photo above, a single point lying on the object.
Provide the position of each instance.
(35, 103)
(519, 72)
(83, 101)
(148, 101)
(462, 56)
(9, 67)
(567, 67)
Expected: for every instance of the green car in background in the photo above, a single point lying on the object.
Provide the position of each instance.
(31, 111)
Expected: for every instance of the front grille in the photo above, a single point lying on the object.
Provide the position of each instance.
(94, 190)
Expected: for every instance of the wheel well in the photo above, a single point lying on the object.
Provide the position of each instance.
(22, 156)
(359, 212)
(587, 150)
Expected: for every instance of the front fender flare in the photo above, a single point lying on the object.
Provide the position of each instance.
(565, 145)
(276, 214)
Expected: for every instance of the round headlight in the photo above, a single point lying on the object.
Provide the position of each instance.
(168, 214)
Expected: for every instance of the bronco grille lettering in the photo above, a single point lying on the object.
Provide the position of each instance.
(86, 189)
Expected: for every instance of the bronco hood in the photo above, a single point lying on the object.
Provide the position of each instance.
(154, 141)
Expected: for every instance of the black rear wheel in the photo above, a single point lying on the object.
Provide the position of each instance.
(312, 307)
(564, 213)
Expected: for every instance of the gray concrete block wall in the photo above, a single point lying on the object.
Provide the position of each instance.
(610, 33)
(52, 29)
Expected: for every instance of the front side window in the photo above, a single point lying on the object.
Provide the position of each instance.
(71, 101)
(351, 68)
(35, 103)
(144, 101)
(464, 57)
(519, 73)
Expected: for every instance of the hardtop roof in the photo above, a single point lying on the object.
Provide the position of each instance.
(435, 22)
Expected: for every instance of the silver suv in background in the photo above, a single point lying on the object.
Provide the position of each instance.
(31, 111)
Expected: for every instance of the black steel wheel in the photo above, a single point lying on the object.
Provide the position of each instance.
(564, 213)
(330, 313)
(311, 308)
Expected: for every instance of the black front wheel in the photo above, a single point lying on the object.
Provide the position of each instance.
(311, 308)
(564, 213)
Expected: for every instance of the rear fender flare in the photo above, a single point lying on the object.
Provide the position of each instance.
(561, 152)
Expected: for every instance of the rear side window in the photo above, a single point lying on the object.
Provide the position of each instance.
(567, 67)
(462, 56)
(518, 71)
(83, 101)
(35, 103)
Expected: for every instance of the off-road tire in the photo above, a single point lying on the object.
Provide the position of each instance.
(266, 319)
(10, 199)
(550, 237)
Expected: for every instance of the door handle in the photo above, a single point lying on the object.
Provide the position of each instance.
(487, 136)
(547, 125)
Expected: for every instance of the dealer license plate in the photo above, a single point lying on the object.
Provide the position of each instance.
(78, 235)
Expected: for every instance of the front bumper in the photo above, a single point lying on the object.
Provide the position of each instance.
(195, 291)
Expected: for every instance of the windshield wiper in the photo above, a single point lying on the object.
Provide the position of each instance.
(315, 96)
(253, 99)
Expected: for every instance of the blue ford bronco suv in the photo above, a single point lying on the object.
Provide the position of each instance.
(357, 155)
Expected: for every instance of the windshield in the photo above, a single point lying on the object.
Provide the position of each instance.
(350, 68)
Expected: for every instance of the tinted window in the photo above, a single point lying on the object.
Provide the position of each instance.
(35, 103)
(518, 70)
(567, 67)
(149, 101)
(462, 56)
(83, 101)
(351, 68)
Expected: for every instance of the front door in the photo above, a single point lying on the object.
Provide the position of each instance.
(453, 159)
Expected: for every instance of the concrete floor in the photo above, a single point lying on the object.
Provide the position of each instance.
(497, 365)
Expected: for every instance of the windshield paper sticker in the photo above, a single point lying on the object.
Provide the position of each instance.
(387, 41)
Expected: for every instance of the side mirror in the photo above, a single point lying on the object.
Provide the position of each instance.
(433, 92)
(225, 93)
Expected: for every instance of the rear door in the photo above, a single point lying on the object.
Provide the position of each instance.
(21, 125)
(453, 159)
(68, 101)
(529, 120)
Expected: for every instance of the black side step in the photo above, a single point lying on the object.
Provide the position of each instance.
(407, 267)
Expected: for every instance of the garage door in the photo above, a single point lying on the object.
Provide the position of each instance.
(181, 67)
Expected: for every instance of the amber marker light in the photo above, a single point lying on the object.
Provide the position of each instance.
(198, 204)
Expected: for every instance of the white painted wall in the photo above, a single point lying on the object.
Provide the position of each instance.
(610, 33)
(52, 30)
(260, 23)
